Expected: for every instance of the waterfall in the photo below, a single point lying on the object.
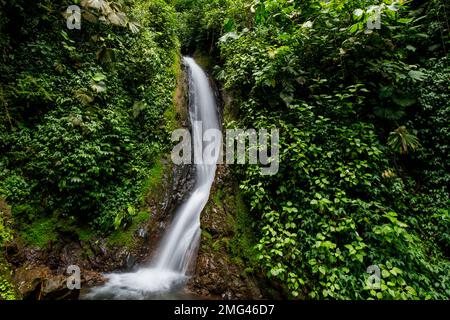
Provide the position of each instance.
(178, 247)
(181, 240)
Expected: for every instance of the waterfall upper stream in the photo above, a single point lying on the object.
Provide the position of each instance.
(169, 269)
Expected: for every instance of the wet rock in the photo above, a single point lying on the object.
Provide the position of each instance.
(142, 232)
(55, 288)
(217, 276)
(29, 280)
(130, 261)
(227, 295)
(38, 283)
(92, 278)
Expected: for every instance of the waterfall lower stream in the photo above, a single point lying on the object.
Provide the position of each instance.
(176, 252)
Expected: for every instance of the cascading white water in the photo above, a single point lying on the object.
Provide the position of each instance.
(182, 239)
(178, 247)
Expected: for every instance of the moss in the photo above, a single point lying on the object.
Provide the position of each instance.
(26, 211)
(142, 217)
(221, 243)
(242, 246)
(85, 234)
(204, 60)
(171, 113)
(237, 217)
(232, 212)
(179, 111)
(126, 237)
(230, 219)
(171, 119)
(40, 232)
(154, 180)
(36, 232)
(121, 238)
(217, 199)
(206, 235)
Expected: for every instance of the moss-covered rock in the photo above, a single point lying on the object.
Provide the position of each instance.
(225, 266)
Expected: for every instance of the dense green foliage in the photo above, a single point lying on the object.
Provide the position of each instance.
(82, 112)
(7, 290)
(363, 116)
(85, 116)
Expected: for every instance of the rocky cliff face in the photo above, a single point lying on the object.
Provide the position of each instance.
(222, 271)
